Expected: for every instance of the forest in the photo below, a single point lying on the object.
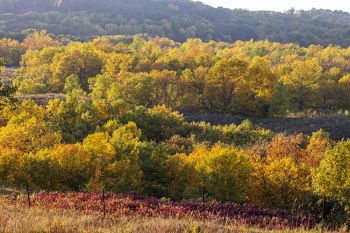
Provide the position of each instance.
(248, 78)
(174, 19)
(118, 123)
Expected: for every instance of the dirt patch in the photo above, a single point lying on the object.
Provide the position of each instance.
(42, 99)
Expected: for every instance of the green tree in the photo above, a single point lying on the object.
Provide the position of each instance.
(72, 83)
(332, 177)
(280, 100)
(158, 123)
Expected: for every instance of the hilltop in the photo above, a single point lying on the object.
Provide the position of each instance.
(176, 19)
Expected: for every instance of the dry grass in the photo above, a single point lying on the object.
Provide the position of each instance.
(16, 219)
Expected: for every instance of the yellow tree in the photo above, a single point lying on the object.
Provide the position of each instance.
(125, 172)
(39, 40)
(281, 175)
(191, 93)
(116, 159)
(182, 178)
(319, 143)
(222, 83)
(255, 91)
(2, 63)
(302, 82)
(97, 145)
(27, 132)
(35, 73)
(76, 59)
(10, 167)
(165, 89)
(223, 172)
(12, 50)
(71, 165)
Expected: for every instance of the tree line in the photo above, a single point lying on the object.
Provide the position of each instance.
(249, 78)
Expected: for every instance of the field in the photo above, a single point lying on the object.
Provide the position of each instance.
(78, 212)
(13, 219)
(337, 125)
(110, 212)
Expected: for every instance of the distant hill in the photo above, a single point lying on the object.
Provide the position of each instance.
(176, 19)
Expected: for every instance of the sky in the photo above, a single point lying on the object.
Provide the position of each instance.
(281, 5)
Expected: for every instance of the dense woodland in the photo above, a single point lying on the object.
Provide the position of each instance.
(118, 127)
(175, 19)
(248, 78)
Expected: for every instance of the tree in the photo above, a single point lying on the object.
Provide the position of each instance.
(280, 174)
(11, 50)
(97, 145)
(181, 178)
(78, 60)
(39, 40)
(329, 89)
(74, 118)
(124, 172)
(222, 171)
(35, 74)
(165, 87)
(222, 83)
(158, 123)
(71, 167)
(7, 96)
(332, 177)
(280, 100)
(191, 91)
(302, 82)
(344, 83)
(135, 89)
(107, 97)
(254, 93)
(10, 169)
(319, 143)
(100, 86)
(116, 159)
(37, 172)
(27, 132)
(72, 83)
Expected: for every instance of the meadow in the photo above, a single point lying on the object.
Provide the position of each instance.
(84, 212)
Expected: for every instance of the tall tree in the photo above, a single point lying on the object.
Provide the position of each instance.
(222, 83)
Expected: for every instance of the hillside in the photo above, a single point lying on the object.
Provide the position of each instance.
(176, 19)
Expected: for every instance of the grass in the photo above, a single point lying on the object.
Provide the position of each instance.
(18, 219)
